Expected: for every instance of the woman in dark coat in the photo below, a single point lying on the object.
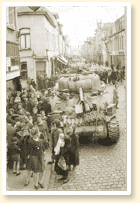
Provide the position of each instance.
(74, 150)
(36, 150)
(65, 152)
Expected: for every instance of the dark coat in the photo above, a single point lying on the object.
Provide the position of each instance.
(74, 150)
(35, 151)
(11, 132)
(46, 107)
(65, 152)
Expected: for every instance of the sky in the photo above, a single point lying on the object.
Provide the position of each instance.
(79, 22)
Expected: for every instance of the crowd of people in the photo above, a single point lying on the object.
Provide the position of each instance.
(111, 76)
(29, 135)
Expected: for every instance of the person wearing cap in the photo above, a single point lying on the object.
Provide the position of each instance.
(74, 149)
(35, 160)
(15, 152)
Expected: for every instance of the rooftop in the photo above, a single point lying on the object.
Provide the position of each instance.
(25, 10)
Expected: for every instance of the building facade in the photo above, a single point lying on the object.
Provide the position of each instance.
(115, 43)
(12, 51)
(40, 42)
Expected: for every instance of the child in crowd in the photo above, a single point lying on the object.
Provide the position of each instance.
(15, 152)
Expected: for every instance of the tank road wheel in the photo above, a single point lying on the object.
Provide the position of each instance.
(113, 130)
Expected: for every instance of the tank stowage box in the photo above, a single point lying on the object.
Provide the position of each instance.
(111, 109)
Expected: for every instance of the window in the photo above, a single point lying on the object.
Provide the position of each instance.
(23, 72)
(25, 38)
(12, 49)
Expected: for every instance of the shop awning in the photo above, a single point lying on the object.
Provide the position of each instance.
(62, 59)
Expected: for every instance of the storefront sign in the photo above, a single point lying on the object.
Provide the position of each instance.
(8, 61)
(14, 68)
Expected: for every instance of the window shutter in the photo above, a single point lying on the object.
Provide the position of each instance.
(22, 42)
(27, 41)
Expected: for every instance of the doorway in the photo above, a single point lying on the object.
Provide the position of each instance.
(40, 72)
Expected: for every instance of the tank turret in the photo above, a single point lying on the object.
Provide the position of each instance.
(82, 101)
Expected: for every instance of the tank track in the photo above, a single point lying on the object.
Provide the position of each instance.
(113, 130)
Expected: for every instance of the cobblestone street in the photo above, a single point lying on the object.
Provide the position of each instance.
(102, 168)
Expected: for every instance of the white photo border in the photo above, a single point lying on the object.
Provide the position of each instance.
(4, 191)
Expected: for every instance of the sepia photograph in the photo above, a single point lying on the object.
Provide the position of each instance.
(66, 98)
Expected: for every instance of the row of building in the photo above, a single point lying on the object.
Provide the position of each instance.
(35, 45)
(108, 46)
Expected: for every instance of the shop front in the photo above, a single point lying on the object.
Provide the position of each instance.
(12, 75)
(61, 63)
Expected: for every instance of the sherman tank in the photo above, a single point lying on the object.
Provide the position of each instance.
(82, 101)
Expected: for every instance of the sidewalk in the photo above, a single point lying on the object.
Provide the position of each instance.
(16, 183)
